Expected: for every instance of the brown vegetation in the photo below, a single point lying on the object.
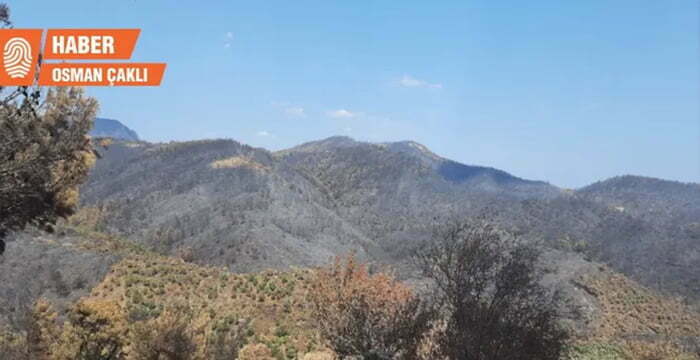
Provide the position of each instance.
(150, 306)
(637, 322)
(238, 161)
(365, 315)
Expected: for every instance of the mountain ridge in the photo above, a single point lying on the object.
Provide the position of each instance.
(248, 208)
(623, 252)
(111, 128)
(449, 169)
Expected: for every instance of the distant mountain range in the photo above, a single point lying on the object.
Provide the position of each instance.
(113, 129)
(247, 208)
(221, 203)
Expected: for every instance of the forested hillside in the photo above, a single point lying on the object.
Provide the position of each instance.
(238, 233)
(246, 208)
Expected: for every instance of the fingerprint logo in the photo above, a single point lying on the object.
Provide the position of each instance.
(17, 57)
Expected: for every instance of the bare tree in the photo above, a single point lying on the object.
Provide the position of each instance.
(169, 336)
(490, 292)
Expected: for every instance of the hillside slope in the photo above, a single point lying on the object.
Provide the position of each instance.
(225, 203)
(246, 208)
(604, 309)
(229, 204)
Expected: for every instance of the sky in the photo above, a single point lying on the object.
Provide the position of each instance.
(569, 92)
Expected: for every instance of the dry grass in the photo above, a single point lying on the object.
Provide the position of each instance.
(629, 309)
(238, 162)
(273, 303)
(635, 323)
(639, 350)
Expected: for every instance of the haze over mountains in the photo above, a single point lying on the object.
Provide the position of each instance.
(248, 208)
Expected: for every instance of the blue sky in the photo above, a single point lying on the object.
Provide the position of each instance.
(564, 91)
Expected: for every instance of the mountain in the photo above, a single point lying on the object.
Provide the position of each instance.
(472, 177)
(460, 173)
(171, 218)
(114, 129)
(671, 202)
(656, 231)
(248, 209)
(230, 204)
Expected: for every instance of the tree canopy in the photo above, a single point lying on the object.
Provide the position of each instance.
(45, 152)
